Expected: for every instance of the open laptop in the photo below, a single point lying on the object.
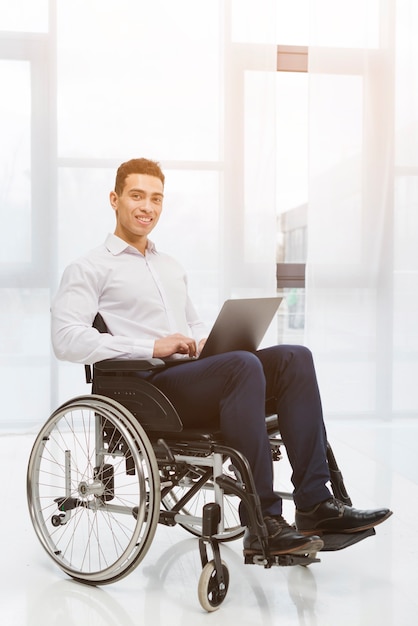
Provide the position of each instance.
(241, 325)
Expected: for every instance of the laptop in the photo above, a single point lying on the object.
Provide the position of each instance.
(241, 325)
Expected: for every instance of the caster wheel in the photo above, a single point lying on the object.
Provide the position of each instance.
(210, 594)
(57, 520)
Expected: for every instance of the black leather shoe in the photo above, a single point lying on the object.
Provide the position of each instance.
(333, 516)
(282, 539)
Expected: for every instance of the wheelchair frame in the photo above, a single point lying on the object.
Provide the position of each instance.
(106, 468)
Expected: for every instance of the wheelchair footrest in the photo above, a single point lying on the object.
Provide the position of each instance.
(283, 560)
(339, 541)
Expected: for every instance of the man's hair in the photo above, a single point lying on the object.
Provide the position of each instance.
(137, 166)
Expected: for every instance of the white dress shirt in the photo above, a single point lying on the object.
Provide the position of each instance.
(140, 297)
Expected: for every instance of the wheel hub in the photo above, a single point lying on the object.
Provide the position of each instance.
(95, 488)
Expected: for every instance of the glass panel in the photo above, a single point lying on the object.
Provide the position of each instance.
(353, 25)
(155, 91)
(189, 230)
(25, 356)
(405, 334)
(292, 191)
(259, 175)
(84, 214)
(24, 15)
(406, 224)
(406, 90)
(15, 164)
(253, 21)
(292, 315)
(336, 177)
(292, 140)
(293, 22)
(405, 296)
(341, 334)
(24, 316)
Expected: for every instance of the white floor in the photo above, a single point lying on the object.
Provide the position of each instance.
(373, 582)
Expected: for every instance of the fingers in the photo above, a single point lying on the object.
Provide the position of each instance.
(174, 344)
(183, 344)
(188, 347)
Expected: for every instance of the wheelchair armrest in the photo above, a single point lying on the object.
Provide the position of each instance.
(113, 366)
(129, 365)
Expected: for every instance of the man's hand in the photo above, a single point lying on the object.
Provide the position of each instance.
(174, 344)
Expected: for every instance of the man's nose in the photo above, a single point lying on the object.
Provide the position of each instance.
(146, 205)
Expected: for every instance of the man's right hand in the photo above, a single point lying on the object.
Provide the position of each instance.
(174, 344)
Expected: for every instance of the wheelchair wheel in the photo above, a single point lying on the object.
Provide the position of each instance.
(93, 489)
(193, 507)
(210, 594)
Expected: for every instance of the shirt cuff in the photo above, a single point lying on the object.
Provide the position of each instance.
(143, 349)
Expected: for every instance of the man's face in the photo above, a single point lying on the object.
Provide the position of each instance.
(138, 208)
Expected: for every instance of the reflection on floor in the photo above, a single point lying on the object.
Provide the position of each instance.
(373, 582)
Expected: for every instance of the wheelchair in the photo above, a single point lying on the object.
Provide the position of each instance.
(109, 466)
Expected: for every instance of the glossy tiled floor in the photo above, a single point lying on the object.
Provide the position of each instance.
(373, 582)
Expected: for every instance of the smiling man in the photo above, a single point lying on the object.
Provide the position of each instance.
(138, 204)
(142, 296)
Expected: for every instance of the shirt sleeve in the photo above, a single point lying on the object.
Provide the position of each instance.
(197, 327)
(72, 314)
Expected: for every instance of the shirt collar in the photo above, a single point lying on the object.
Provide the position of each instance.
(116, 245)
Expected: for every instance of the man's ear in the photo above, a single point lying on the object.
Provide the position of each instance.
(113, 197)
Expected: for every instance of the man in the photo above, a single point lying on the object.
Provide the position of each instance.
(142, 296)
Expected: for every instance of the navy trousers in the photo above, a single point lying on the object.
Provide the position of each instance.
(231, 390)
